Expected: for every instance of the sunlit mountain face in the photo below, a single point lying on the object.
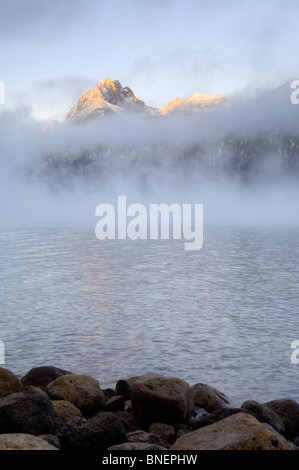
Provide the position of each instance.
(107, 97)
(196, 102)
(110, 97)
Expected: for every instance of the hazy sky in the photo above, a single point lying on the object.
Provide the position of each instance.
(51, 51)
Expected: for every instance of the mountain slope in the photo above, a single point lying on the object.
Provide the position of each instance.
(108, 96)
(195, 103)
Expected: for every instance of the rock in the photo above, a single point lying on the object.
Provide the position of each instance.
(9, 383)
(107, 97)
(134, 379)
(129, 422)
(32, 390)
(109, 393)
(64, 410)
(51, 439)
(288, 411)
(18, 441)
(116, 403)
(161, 399)
(146, 437)
(208, 398)
(95, 434)
(199, 413)
(136, 446)
(165, 431)
(124, 389)
(81, 390)
(42, 376)
(215, 417)
(238, 432)
(29, 414)
(128, 406)
(180, 429)
(264, 415)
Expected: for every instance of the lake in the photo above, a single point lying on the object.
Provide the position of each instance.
(225, 315)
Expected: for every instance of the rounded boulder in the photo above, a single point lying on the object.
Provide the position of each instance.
(9, 383)
(82, 391)
(29, 414)
(42, 376)
(157, 398)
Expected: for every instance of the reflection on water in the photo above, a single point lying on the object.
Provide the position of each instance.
(225, 315)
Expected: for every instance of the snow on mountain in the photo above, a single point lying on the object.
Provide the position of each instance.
(108, 96)
(194, 103)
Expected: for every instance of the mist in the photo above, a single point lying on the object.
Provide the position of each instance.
(57, 176)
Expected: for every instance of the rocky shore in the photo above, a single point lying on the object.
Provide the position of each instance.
(53, 409)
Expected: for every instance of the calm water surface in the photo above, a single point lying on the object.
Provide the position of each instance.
(224, 315)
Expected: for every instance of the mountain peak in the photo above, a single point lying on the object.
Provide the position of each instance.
(195, 103)
(107, 96)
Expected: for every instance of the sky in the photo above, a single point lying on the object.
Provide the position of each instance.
(52, 51)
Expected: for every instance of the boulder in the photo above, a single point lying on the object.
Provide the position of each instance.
(157, 398)
(29, 414)
(209, 398)
(42, 376)
(109, 393)
(164, 431)
(218, 415)
(146, 437)
(180, 429)
(240, 431)
(64, 410)
(95, 434)
(20, 441)
(51, 439)
(130, 423)
(264, 415)
(128, 406)
(288, 411)
(82, 391)
(124, 389)
(9, 383)
(116, 403)
(32, 390)
(132, 380)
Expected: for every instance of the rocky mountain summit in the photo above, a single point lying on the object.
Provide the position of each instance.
(194, 103)
(110, 97)
(107, 97)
